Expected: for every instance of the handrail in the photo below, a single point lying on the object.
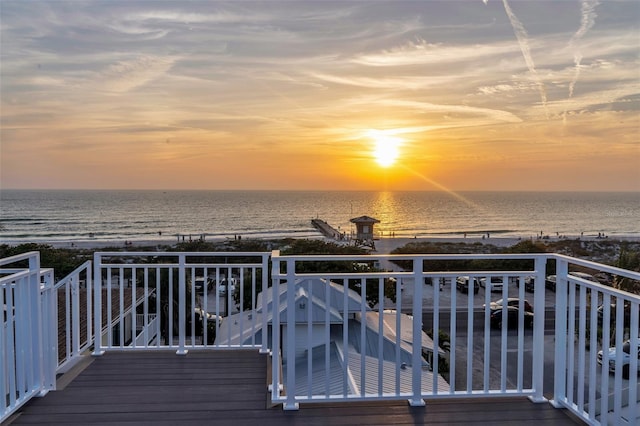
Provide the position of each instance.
(27, 360)
(191, 292)
(317, 323)
(77, 339)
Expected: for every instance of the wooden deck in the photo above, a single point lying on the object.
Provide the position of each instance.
(229, 388)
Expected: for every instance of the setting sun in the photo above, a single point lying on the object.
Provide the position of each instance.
(386, 148)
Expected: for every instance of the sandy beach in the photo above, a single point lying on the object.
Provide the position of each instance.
(382, 245)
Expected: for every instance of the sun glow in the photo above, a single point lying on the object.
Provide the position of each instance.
(386, 150)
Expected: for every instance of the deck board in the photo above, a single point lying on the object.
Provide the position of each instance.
(229, 387)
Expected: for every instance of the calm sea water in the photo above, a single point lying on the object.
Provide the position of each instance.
(59, 216)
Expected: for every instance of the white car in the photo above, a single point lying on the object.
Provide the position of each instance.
(495, 284)
(512, 302)
(224, 283)
(626, 358)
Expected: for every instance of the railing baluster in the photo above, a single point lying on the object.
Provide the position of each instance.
(538, 343)
(470, 293)
(617, 381)
(416, 359)
(504, 346)
(182, 297)
(7, 346)
(363, 335)
(97, 308)
(275, 348)
(134, 304)
(346, 380)
(435, 367)
(571, 339)
(158, 309)
(398, 357)
(606, 340)
(487, 340)
(309, 314)
(381, 282)
(453, 331)
(290, 337)
(521, 329)
(264, 288)
(560, 365)
(634, 379)
(582, 321)
(327, 333)
(68, 315)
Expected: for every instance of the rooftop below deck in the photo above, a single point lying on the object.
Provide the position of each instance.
(230, 387)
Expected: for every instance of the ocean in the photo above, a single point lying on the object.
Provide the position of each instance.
(140, 215)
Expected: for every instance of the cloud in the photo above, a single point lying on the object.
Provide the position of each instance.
(405, 82)
(492, 115)
(588, 18)
(523, 41)
(421, 53)
(587, 21)
(124, 76)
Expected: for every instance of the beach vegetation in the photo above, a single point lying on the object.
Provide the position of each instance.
(62, 260)
(444, 342)
(630, 260)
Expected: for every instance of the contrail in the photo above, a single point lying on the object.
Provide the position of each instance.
(522, 36)
(587, 20)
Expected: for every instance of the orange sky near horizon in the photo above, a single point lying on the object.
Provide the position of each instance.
(207, 95)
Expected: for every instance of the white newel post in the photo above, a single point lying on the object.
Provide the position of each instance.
(264, 349)
(416, 356)
(560, 365)
(538, 329)
(276, 354)
(50, 330)
(291, 403)
(97, 318)
(182, 302)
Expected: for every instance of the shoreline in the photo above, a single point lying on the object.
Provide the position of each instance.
(383, 245)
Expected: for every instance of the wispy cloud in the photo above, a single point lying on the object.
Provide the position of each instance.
(587, 20)
(421, 53)
(467, 112)
(127, 75)
(523, 41)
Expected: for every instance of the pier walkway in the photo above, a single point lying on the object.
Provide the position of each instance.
(326, 229)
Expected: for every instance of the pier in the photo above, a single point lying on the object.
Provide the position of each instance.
(326, 229)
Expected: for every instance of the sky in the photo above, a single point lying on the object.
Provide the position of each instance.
(493, 95)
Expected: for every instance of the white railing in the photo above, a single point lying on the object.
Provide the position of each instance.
(183, 299)
(75, 320)
(570, 327)
(403, 374)
(597, 318)
(328, 344)
(27, 331)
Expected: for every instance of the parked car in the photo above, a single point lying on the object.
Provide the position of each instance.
(550, 282)
(199, 284)
(626, 358)
(584, 276)
(429, 281)
(511, 301)
(529, 283)
(224, 283)
(462, 284)
(613, 313)
(495, 284)
(513, 316)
